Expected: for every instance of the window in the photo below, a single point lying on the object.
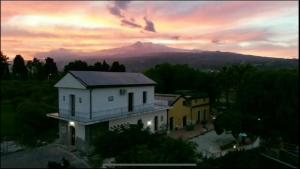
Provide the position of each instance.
(111, 98)
(64, 98)
(144, 97)
(80, 100)
(161, 118)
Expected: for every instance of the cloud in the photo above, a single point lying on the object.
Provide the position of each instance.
(118, 7)
(131, 24)
(115, 11)
(149, 25)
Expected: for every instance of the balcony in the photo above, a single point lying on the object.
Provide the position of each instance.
(108, 114)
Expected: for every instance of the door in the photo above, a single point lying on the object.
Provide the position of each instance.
(72, 104)
(155, 123)
(72, 135)
(171, 123)
(130, 102)
(198, 120)
(184, 121)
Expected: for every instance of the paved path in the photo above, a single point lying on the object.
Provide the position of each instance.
(211, 142)
(39, 157)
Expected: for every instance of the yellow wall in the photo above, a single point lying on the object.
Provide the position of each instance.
(190, 111)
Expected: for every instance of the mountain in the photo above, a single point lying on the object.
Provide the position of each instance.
(143, 55)
(136, 49)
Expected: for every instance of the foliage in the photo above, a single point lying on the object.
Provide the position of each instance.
(98, 66)
(24, 106)
(76, 65)
(4, 71)
(268, 95)
(50, 68)
(171, 78)
(19, 69)
(139, 145)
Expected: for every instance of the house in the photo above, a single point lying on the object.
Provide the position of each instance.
(186, 109)
(91, 101)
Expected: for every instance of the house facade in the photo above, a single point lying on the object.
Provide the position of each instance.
(91, 101)
(186, 109)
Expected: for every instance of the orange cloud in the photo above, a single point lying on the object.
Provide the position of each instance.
(261, 28)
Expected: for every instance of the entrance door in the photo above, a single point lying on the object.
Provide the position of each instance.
(155, 123)
(171, 123)
(72, 135)
(184, 121)
(72, 104)
(130, 102)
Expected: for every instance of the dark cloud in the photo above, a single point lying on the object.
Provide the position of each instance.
(131, 24)
(117, 8)
(149, 25)
(115, 11)
(121, 4)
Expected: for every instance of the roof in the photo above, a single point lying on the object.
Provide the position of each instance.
(97, 79)
(170, 98)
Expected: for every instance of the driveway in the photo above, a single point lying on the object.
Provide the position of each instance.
(39, 157)
(211, 142)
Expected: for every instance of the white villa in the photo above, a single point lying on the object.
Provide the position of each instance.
(90, 101)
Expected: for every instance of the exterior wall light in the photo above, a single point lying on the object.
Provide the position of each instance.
(234, 146)
(149, 123)
(71, 123)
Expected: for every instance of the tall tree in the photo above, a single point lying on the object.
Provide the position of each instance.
(76, 65)
(115, 67)
(105, 66)
(50, 68)
(4, 71)
(36, 69)
(98, 66)
(19, 69)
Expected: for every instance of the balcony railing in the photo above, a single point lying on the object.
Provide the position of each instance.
(110, 114)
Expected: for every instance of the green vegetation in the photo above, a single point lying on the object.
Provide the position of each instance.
(261, 102)
(24, 106)
(136, 145)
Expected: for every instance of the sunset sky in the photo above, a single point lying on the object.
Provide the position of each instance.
(259, 28)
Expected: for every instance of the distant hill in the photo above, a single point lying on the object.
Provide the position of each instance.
(143, 55)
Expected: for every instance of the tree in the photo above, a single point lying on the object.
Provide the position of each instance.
(50, 68)
(139, 145)
(19, 69)
(117, 67)
(4, 71)
(105, 66)
(36, 69)
(98, 66)
(76, 65)
(122, 68)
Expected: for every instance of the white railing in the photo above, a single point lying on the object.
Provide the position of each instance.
(108, 114)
